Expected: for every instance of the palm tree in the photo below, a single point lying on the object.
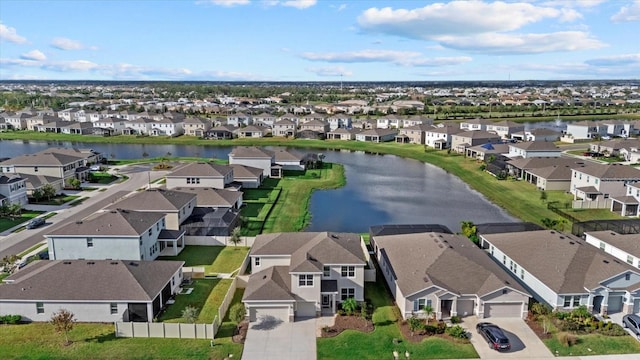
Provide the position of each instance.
(428, 309)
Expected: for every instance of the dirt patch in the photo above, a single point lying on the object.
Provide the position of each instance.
(240, 333)
(538, 329)
(344, 322)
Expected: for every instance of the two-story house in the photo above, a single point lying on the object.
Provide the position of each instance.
(534, 149)
(264, 119)
(284, 127)
(602, 181)
(505, 128)
(116, 125)
(201, 174)
(239, 119)
(339, 121)
(625, 247)
(115, 234)
(176, 205)
(585, 130)
(13, 189)
(195, 126)
(628, 205)
(167, 127)
(304, 274)
(462, 140)
(62, 164)
(440, 138)
(257, 158)
(414, 134)
(475, 124)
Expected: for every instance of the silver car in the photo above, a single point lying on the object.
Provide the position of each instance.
(632, 322)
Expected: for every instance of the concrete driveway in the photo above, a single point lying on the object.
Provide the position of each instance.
(271, 339)
(525, 344)
(617, 318)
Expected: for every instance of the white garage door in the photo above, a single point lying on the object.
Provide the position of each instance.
(636, 306)
(269, 314)
(502, 310)
(307, 309)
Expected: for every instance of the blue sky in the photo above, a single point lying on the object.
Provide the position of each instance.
(309, 40)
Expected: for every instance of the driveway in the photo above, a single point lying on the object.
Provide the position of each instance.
(271, 339)
(617, 318)
(525, 344)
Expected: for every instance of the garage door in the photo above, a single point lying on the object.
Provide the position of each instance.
(307, 309)
(615, 304)
(636, 306)
(465, 307)
(502, 310)
(269, 314)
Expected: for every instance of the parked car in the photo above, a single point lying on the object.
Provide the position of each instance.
(35, 222)
(632, 321)
(95, 167)
(494, 336)
(44, 255)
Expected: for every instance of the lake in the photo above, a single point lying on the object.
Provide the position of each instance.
(381, 189)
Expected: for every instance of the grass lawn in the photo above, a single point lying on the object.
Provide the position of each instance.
(6, 223)
(251, 209)
(101, 178)
(207, 296)
(379, 344)
(57, 200)
(98, 341)
(599, 345)
(215, 259)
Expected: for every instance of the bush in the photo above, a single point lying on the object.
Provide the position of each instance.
(457, 332)
(571, 325)
(567, 339)
(538, 309)
(237, 313)
(430, 329)
(455, 319)
(10, 319)
(441, 327)
(613, 330)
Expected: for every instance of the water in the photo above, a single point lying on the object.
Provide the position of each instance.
(381, 189)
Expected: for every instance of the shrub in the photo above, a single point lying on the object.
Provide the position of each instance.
(430, 329)
(10, 319)
(571, 325)
(613, 330)
(561, 315)
(455, 319)
(414, 324)
(567, 339)
(237, 313)
(457, 332)
(441, 327)
(540, 309)
(349, 306)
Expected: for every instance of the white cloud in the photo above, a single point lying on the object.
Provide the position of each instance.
(299, 4)
(70, 66)
(628, 13)
(616, 60)
(333, 71)
(402, 58)
(225, 3)
(523, 43)
(457, 18)
(35, 55)
(66, 44)
(11, 35)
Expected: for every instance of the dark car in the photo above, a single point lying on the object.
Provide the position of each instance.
(35, 222)
(632, 321)
(494, 336)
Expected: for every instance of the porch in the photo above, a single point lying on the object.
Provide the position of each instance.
(171, 242)
(625, 205)
(328, 293)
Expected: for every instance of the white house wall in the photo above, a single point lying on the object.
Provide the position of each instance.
(269, 261)
(610, 249)
(306, 293)
(83, 311)
(260, 163)
(72, 248)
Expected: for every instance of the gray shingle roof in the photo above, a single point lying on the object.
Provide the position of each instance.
(612, 171)
(202, 169)
(250, 152)
(629, 243)
(95, 280)
(115, 222)
(536, 146)
(273, 283)
(155, 200)
(565, 263)
(245, 172)
(450, 261)
(213, 197)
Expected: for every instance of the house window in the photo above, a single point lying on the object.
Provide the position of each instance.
(491, 249)
(114, 308)
(602, 245)
(305, 280)
(40, 308)
(346, 293)
(515, 268)
(35, 169)
(511, 265)
(504, 259)
(627, 277)
(571, 301)
(256, 261)
(419, 304)
(89, 242)
(326, 271)
(348, 271)
(150, 231)
(522, 274)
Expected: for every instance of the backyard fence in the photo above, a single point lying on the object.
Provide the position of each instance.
(218, 240)
(594, 204)
(165, 330)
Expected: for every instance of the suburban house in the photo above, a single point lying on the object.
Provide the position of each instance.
(475, 124)
(53, 126)
(284, 127)
(247, 176)
(629, 204)
(195, 126)
(215, 198)
(93, 290)
(416, 120)
(289, 160)
(264, 119)
(176, 205)
(139, 126)
(554, 177)
(342, 134)
(116, 234)
(534, 149)
(484, 151)
(602, 181)
(79, 128)
(35, 182)
(200, 174)
(17, 121)
(377, 135)
(239, 119)
(222, 132)
(61, 163)
(116, 125)
(625, 247)
(13, 189)
(581, 130)
(462, 140)
(539, 134)
(290, 117)
(255, 157)
(339, 121)
(297, 275)
(252, 131)
(314, 128)
(439, 138)
(519, 167)
(616, 147)
(565, 272)
(617, 128)
(414, 134)
(425, 269)
(167, 127)
(388, 122)
(504, 128)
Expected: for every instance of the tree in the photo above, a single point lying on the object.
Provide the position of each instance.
(428, 309)
(237, 313)
(37, 194)
(48, 191)
(414, 324)
(470, 230)
(75, 183)
(190, 314)
(63, 322)
(349, 306)
(235, 238)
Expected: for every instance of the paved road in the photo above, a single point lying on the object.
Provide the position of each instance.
(139, 177)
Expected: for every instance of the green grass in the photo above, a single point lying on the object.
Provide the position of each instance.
(379, 344)
(251, 209)
(98, 341)
(102, 178)
(599, 345)
(7, 223)
(207, 296)
(57, 200)
(31, 249)
(214, 259)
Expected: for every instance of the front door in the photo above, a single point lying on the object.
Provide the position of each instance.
(326, 301)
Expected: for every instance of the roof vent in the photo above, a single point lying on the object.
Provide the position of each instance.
(91, 263)
(553, 232)
(572, 243)
(67, 262)
(605, 261)
(334, 236)
(78, 222)
(114, 211)
(561, 237)
(114, 263)
(426, 279)
(132, 263)
(264, 277)
(440, 246)
(450, 247)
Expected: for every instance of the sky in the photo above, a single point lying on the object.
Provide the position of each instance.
(319, 40)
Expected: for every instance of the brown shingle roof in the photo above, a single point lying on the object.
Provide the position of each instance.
(273, 283)
(202, 169)
(112, 223)
(629, 243)
(250, 152)
(155, 200)
(95, 280)
(536, 146)
(611, 171)
(213, 197)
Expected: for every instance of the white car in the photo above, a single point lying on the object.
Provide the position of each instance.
(95, 167)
